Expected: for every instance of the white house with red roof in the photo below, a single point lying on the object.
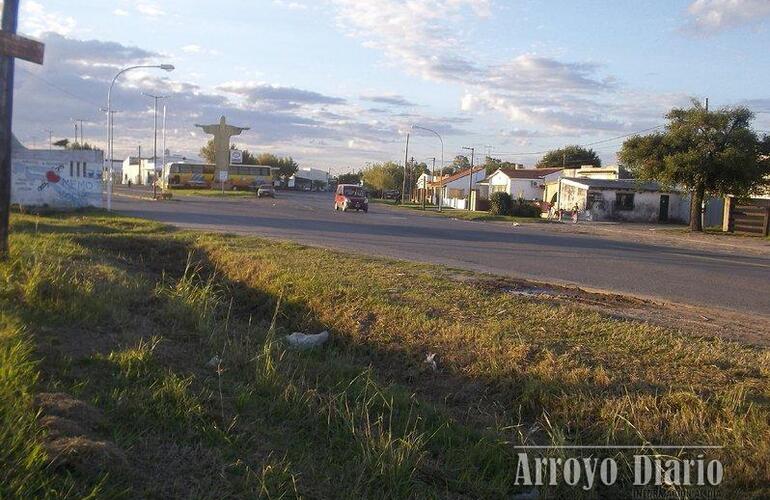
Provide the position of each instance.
(455, 189)
(522, 184)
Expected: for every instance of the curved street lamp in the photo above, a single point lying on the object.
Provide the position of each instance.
(164, 67)
(417, 127)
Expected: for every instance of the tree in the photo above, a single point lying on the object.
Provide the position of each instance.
(491, 165)
(62, 143)
(349, 178)
(459, 163)
(208, 153)
(383, 176)
(570, 156)
(706, 152)
(286, 168)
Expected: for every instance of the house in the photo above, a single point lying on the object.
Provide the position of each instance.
(524, 184)
(423, 190)
(138, 170)
(455, 189)
(622, 200)
(551, 184)
(57, 178)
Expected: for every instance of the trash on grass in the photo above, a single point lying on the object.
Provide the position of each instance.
(430, 360)
(214, 362)
(301, 340)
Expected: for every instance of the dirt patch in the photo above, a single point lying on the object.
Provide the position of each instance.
(63, 405)
(72, 441)
(707, 322)
(86, 457)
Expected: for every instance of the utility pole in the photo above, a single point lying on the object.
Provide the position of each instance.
(470, 176)
(707, 104)
(13, 46)
(155, 142)
(80, 122)
(50, 139)
(406, 160)
(425, 184)
(411, 179)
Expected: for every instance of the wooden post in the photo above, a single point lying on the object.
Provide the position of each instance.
(11, 47)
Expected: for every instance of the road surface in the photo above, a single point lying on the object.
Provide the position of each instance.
(716, 278)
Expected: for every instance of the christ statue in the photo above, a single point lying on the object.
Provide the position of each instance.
(222, 133)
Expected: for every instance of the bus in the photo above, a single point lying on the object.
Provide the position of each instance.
(201, 175)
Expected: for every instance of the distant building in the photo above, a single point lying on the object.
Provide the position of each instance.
(58, 178)
(551, 184)
(137, 170)
(306, 179)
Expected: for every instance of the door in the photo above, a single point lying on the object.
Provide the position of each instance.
(663, 208)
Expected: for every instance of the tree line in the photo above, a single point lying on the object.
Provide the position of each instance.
(286, 166)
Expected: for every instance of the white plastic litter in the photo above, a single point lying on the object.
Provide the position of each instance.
(430, 360)
(300, 340)
(516, 224)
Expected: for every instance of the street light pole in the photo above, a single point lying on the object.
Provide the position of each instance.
(164, 67)
(442, 157)
(470, 176)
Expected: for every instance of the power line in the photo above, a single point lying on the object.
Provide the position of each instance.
(60, 89)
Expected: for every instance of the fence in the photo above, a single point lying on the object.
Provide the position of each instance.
(750, 219)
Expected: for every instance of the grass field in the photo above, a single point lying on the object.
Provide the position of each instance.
(169, 344)
(462, 214)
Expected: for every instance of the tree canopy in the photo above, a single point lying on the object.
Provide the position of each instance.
(491, 165)
(570, 156)
(706, 152)
(383, 176)
(349, 178)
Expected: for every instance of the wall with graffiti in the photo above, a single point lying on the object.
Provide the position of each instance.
(57, 180)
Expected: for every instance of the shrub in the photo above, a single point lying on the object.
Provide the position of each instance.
(522, 208)
(500, 204)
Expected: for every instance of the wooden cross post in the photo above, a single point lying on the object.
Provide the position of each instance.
(12, 46)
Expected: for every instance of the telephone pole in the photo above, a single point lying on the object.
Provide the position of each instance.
(50, 139)
(155, 140)
(470, 176)
(406, 160)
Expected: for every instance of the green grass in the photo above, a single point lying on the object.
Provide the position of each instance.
(462, 214)
(126, 315)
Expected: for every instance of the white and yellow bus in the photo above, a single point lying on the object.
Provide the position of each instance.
(201, 175)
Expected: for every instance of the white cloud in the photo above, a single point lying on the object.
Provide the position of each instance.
(426, 38)
(150, 10)
(290, 5)
(35, 20)
(712, 16)
(120, 12)
(191, 49)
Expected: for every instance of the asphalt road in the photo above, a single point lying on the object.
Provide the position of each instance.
(673, 274)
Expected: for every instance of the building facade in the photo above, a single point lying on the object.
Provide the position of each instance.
(56, 178)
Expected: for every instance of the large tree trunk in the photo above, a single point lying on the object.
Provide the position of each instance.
(696, 209)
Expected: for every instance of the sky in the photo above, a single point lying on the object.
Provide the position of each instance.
(338, 83)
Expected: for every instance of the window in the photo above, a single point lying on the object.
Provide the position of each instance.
(624, 201)
(594, 198)
(497, 188)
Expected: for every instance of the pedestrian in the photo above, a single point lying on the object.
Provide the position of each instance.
(129, 183)
(575, 212)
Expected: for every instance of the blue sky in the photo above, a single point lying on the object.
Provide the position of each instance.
(336, 83)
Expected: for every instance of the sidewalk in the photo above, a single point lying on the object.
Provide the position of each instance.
(666, 234)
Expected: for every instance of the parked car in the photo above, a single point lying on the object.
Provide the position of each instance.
(265, 190)
(391, 194)
(350, 197)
